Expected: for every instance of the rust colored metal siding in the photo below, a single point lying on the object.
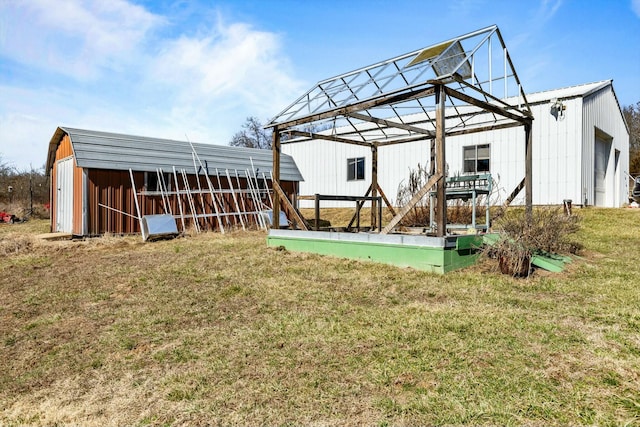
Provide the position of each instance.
(78, 197)
(64, 149)
(112, 189)
(111, 205)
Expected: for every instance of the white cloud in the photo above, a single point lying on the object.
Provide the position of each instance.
(635, 6)
(74, 37)
(122, 76)
(232, 63)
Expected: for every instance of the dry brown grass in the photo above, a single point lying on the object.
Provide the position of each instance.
(340, 217)
(12, 244)
(215, 329)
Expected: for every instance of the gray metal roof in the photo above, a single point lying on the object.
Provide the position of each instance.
(568, 92)
(113, 151)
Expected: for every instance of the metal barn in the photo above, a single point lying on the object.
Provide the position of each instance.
(580, 152)
(105, 182)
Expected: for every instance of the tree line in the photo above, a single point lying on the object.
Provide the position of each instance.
(23, 192)
(632, 117)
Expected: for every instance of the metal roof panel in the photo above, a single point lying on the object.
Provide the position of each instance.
(114, 151)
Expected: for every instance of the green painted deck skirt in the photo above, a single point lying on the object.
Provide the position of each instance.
(436, 254)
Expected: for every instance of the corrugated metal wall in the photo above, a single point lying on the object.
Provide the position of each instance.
(602, 116)
(112, 189)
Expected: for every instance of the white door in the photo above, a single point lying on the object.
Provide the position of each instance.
(64, 200)
(601, 159)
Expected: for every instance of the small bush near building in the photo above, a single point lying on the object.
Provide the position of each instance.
(548, 230)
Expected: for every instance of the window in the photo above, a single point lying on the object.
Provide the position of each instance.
(355, 169)
(476, 158)
(151, 182)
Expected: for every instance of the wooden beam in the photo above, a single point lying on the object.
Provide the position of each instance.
(374, 185)
(441, 198)
(328, 138)
(386, 201)
(276, 150)
(451, 133)
(392, 124)
(291, 210)
(485, 105)
(528, 171)
(483, 129)
(404, 140)
(414, 200)
(510, 199)
(488, 95)
(358, 207)
(515, 192)
(392, 98)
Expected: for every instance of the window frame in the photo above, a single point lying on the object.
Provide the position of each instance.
(475, 159)
(356, 169)
(151, 180)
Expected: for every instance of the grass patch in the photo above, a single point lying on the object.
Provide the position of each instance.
(219, 327)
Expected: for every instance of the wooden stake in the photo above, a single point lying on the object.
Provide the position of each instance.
(415, 199)
(275, 223)
(293, 212)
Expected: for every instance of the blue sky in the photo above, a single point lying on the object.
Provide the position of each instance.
(197, 69)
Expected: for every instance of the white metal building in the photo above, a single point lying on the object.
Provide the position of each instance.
(580, 152)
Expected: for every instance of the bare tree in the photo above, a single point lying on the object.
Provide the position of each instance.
(632, 117)
(5, 168)
(252, 135)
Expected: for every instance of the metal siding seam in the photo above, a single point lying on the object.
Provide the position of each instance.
(85, 202)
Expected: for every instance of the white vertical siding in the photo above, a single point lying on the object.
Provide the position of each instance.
(64, 185)
(556, 153)
(601, 111)
(395, 163)
(323, 165)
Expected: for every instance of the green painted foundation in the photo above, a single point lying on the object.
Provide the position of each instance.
(436, 254)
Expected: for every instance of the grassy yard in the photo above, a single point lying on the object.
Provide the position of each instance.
(219, 330)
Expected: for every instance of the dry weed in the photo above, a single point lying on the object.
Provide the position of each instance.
(548, 230)
(16, 243)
